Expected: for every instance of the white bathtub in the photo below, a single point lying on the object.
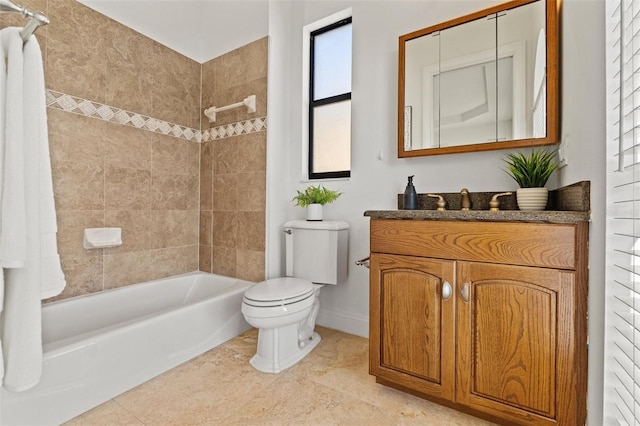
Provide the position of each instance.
(100, 345)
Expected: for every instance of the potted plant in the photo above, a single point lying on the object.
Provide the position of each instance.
(531, 172)
(313, 198)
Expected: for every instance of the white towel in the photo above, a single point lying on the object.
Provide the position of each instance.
(13, 240)
(39, 184)
(4, 39)
(39, 273)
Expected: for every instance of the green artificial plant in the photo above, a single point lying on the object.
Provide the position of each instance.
(315, 195)
(532, 170)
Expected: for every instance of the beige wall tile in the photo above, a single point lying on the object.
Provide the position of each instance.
(173, 228)
(252, 197)
(257, 57)
(131, 63)
(76, 138)
(251, 231)
(224, 261)
(205, 258)
(225, 156)
(193, 192)
(127, 268)
(128, 90)
(206, 176)
(256, 87)
(252, 152)
(170, 155)
(136, 229)
(193, 158)
(152, 186)
(250, 265)
(78, 186)
(208, 89)
(127, 147)
(225, 226)
(83, 276)
(206, 228)
(206, 191)
(251, 59)
(169, 192)
(239, 162)
(71, 226)
(127, 189)
(225, 192)
(75, 60)
(176, 95)
(174, 260)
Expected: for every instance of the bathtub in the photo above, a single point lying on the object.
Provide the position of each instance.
(100, 345)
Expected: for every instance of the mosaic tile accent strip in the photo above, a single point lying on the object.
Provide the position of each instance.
(100, 111)
(235, 129)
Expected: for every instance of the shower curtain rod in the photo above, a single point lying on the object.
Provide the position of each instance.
(37, 19)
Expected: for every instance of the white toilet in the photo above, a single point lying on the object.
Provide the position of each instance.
(284, 310)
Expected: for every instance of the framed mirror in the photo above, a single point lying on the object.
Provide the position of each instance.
(484, 81)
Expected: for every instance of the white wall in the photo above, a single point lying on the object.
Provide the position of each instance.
(377, 175)
(584, 129)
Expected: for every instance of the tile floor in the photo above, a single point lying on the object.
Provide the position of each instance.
(331, 386)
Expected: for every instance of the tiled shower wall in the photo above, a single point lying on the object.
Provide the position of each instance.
(124, 134)
(233, 169)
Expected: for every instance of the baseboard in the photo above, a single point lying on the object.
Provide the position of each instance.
(349, 323)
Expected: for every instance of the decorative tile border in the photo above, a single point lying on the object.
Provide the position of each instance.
(235, 129)
(100, 111)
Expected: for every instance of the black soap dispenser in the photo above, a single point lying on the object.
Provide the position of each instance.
(410, 199)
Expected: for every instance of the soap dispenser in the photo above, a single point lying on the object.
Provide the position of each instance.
(410, 199)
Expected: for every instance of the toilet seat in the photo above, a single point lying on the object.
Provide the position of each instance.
(278, 292)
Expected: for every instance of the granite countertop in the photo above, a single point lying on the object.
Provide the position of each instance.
(569, 204)
(545, 216)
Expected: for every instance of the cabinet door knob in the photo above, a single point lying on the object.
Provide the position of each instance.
(446, 290)
(464, 292)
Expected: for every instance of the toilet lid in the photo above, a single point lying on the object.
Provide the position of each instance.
(279, 290)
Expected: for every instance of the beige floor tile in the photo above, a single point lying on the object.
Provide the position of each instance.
(331, 386)
(246, 343)
(341, 362)
(276, 405)
(202, 389)
(109, 413)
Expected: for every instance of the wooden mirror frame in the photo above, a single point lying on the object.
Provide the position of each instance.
(552, 76)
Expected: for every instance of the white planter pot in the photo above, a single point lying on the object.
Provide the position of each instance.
(532, 198)
(314, 212)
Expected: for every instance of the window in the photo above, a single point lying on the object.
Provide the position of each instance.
(330, 101)
(622, 321)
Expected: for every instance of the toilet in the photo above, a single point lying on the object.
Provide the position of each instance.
(284, 310)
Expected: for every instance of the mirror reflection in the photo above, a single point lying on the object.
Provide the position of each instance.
(480, 83)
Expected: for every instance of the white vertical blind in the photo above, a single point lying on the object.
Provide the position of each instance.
(622, 350)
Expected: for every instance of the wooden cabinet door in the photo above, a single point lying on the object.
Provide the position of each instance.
(412, 323)
(515, 343)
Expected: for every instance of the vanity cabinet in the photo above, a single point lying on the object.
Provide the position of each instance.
(416, 323)
(486, 317)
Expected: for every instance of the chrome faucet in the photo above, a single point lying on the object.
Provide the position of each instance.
(466, 202)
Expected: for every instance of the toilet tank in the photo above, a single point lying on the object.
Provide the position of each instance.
(317, 251)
